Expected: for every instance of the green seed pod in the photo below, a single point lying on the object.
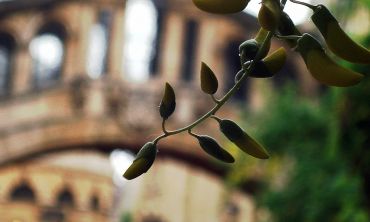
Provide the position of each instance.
(208, 80)
(336, 39)
(287, 27)
(260, 38)
(267, 67)
(168, 103)
(270, 65)
(242, 140)
(322, 67)
(143, 161)
(269, 14)
(210, 146)
(231, 130)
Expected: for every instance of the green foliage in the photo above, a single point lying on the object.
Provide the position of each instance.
(322, 185)
(127, 217)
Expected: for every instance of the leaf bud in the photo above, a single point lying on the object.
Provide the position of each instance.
(208, 80)
(142, 162)
(168, 103)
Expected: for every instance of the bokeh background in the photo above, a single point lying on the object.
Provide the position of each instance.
(80, 83)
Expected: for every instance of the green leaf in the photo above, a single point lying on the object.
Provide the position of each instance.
(208, 80)
(168, 103)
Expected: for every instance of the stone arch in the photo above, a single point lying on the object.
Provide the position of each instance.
(7, 51)
(13, 33)
(54, 26)
(22, 192)
(65, 198)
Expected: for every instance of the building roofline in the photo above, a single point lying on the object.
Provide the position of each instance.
(11, 6)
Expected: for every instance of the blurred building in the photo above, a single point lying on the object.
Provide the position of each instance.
(79, 79)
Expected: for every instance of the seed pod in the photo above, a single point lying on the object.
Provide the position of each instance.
(322, 67)
(210, 146)
(287, 27)
(143, 161)
(241, 139)
(208, 80)
(337, 40)
(269, 14)
(221, 6)
(268, 66)
(168, 103)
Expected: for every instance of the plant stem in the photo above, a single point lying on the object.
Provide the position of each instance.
(304, 3)
(164, 126)
(224, 99)
(214, 99)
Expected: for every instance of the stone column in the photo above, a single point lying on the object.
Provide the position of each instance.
(115, 50)
(22, 66)
(170, 66)
(79, 40)
(207, 50)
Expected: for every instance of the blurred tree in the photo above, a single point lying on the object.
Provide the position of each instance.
(331, 161)
(328, 142)
(355, 125)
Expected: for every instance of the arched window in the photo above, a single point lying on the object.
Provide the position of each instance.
(94, 203)
(232, 67)
(189, 49)
(7, 44)
(22, 193)
(65, 199)
(140, 36)
(99, 43)
(47, 51)
(232, 211)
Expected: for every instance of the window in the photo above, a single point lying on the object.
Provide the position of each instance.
(94, 203)
(191, 36)
(65, 199)
(154, 62)
(47, 51)
(6, 52)
(140, 36)
(232, 212)
(22, 193)
(99, 43)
